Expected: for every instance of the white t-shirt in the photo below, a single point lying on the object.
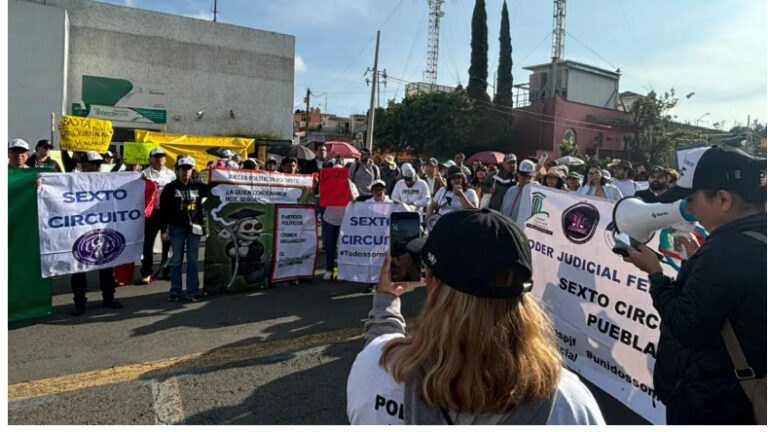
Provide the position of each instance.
(387, 199)
(448, 202)
(162, 177)
(627, 187)
(375, 398)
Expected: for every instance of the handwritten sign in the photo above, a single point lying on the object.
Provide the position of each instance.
(333, 187)
(137, 153)
(85, 134)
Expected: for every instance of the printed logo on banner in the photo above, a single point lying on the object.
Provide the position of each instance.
(98, 246)
(538, 219)
(580, 222)
(609, 234)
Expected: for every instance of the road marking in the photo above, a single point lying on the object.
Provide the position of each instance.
(162, 369)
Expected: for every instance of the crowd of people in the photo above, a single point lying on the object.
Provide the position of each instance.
(484, 350)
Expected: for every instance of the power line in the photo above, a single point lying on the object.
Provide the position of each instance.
(413, 47)
(634, 41)
(591, 50)
(546, 36)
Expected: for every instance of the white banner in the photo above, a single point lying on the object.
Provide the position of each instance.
(89, 221)
(364, 240)
(606, 324)
(295, 247)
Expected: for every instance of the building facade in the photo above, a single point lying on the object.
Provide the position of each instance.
(145, 70)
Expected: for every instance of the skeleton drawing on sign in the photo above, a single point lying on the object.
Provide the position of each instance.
(245, 247)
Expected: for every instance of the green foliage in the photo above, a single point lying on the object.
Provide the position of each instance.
(503, 94)
(752, 135)
(568, 147)
(478, 66)
(435, 123)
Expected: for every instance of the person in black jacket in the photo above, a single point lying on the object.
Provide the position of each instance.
(42, 156)
(181, 207)
(724, 279)
(657, 185)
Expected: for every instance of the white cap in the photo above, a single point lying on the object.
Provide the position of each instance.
(228, 153)
(109, 154)
(157, 151)
(407, 170)
(605, 174)
(449, 163)
(379, 182)
(18, 143)
(185, 161)
(527, 167)
(93, 157)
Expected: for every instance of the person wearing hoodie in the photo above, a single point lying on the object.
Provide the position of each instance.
(718, 295)
(461, 362)
(411, 189)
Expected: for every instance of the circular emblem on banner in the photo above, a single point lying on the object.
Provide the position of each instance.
(98, 246)
(580, 222)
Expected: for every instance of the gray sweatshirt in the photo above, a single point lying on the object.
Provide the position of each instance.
(374, 397)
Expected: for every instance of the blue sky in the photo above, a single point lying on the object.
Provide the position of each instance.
(716, 49)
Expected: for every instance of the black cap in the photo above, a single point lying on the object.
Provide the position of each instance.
(44, 143)
(451, 251)
(454, 171)
(716, 168)
(657, 168)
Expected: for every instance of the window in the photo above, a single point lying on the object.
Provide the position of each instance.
(597, 142)
(570, 135)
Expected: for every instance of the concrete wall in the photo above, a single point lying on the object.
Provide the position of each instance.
(37, 47)
(201, 65)
(588, 88)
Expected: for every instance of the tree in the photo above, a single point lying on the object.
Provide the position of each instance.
(503, 95)
(749, 138)
(568, 147)
(435, 123)
(478, 66)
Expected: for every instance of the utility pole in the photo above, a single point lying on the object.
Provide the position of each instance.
(215, 9)
(306, 113)
(372, 108)
(558, 44)
(433, 40)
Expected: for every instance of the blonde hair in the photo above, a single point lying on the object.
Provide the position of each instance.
(478, 355)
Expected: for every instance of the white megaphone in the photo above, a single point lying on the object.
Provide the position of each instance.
(640, 220)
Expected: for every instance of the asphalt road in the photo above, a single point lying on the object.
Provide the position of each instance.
(280, 356)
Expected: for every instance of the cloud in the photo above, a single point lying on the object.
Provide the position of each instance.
(313, 15)
(206, 16)
(298, 64)
(128, 3)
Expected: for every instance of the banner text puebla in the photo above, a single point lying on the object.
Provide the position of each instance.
(606, 324)
(364, 240)
(89, 221)
(295, 243)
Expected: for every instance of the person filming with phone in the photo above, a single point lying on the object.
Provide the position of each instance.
(711, 360)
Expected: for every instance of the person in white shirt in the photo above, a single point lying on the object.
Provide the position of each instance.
(379, 192)
(158, 173)
(457, 195)
(622, 178)
(510, 205)
(596, 184)
(484, 352)
(432, 176)
(411, 190)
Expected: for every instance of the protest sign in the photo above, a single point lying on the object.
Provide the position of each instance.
(84, 134)
(29, 295)
(364, 240)
(295, 243)
(607, 327)
(89, 221)
(202, 148)
(137, 153)
(239, 247)
(333, 187)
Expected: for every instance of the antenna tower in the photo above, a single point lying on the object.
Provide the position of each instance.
(558, 30)
(433, 40)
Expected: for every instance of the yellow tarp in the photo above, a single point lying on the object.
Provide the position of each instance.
(175, 145)
(85, 134)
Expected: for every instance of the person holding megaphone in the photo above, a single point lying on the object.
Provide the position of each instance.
(711, 360)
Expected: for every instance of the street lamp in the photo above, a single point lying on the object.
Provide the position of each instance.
(699, 119)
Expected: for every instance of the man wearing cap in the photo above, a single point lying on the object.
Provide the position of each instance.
(270, 165)
(510, 205)
(657, 184)
(42, 156)
(363, 173)
(18, 152)
(411, 189)
(91, 163)
(712, 343)
(162, 176)
(573, 181)
(622, 178)
(379, 191)
(434, 180)
(499, 183)
(183, 220)
(389, 172)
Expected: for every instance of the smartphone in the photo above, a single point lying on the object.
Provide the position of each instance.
(623, 243)
(404, 227)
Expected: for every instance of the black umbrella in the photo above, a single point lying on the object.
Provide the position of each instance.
(217, 151)
(298, 151)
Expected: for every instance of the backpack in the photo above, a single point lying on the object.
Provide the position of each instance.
(754, 387)
(376, 172)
